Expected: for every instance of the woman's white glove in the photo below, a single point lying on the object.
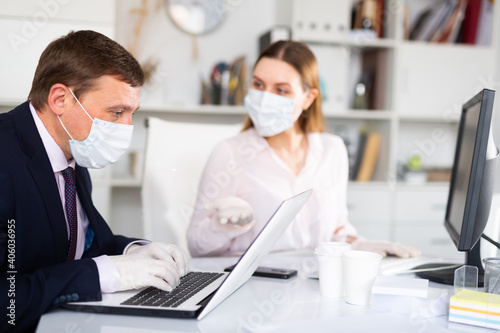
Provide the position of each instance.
(385, 248)
(232, 210)
(156, 264)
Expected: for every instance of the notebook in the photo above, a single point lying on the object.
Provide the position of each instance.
(221, 285)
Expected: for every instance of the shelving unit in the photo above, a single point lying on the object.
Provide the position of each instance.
(423, 88)
(197, 109)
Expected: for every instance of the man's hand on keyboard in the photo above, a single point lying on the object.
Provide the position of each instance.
(156, 264)
(385, 248)
(167, 252)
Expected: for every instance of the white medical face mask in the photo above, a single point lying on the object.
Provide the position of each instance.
(104, 145)
(271, 114)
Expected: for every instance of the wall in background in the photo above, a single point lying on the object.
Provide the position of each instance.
(29, 26)
(184, 59)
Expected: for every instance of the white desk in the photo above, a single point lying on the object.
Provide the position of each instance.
(262, 305)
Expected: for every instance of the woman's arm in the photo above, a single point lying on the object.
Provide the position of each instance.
(206, 235)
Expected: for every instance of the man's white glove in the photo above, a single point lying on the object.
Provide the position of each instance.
(156, 264)
(232, 210)
(385, 248)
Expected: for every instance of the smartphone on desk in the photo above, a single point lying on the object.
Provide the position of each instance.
(277, 273)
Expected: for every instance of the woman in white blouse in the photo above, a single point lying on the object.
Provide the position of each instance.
(281, 151)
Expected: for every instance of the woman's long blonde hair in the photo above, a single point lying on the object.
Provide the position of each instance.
(300, 57)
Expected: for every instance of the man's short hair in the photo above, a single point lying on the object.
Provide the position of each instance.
(77, 60)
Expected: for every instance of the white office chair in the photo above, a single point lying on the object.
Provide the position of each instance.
(176, 153)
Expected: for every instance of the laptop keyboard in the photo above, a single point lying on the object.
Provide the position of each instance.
(190, 285)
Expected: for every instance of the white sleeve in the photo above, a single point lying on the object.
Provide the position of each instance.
(205, 235)
(109, 277)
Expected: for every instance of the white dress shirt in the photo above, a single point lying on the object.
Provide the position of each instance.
(109, 277)
(246, 166)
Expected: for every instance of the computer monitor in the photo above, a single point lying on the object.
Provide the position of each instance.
(471, 186)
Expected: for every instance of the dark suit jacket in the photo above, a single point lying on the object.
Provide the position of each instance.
(33, 235)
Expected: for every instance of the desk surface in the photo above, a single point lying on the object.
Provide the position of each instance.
(262, 305)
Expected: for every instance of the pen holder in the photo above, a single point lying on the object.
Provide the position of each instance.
(492, 275)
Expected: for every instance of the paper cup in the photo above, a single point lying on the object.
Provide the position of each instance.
(360, 270)
(331, 277)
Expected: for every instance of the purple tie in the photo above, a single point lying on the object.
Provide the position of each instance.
(70, 199)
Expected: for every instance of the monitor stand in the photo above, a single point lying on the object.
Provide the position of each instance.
(447, 275)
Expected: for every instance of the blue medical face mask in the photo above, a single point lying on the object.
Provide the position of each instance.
(271, 114)
(105, 144)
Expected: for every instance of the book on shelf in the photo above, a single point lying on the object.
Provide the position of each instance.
(215, 86)
(434, 21)
(443, 23)
(237, 81)
(478, 22)
(485, 23)
(370, 157)
(366, 156)
(446, 20)
(417, 27)
(224, 87)
(356, 16)
(369, 92)
(227, 84)
(377, 97)
(452, 29)
(369, 14)
(358, 155)
(471, 20)
(406, 22)
(438, 174)
(379, 23)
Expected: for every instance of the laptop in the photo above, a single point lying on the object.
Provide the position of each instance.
(218, 287)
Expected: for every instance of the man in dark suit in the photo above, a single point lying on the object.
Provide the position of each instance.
(54, 245)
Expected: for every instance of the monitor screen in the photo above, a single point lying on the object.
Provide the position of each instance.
(471, 186)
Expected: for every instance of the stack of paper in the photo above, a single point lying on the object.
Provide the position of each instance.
(408, 296)
(475, 308)
(402, 286)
